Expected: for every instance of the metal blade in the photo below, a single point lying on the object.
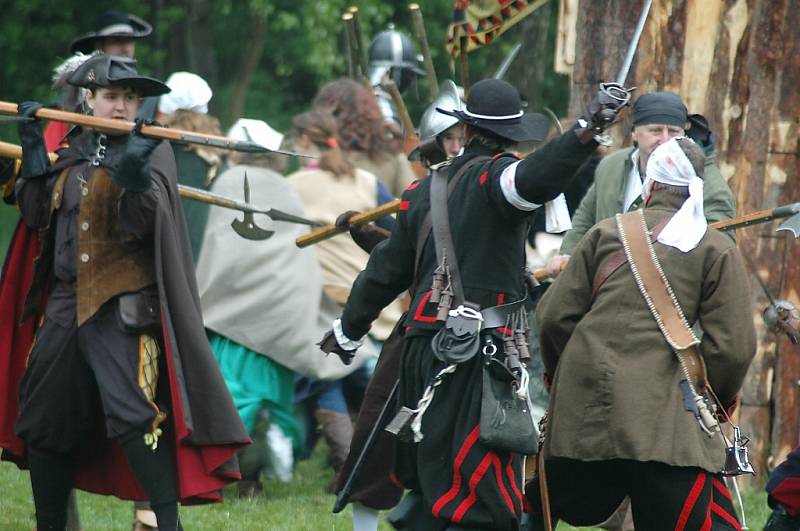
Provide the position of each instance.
(637, 33)
(503, 68)
(240, 145)
(279, 215)
(792, 224)
(16, 119)
(555, 119)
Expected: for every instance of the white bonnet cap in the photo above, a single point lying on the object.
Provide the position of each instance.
(189, 92)
(256, 131)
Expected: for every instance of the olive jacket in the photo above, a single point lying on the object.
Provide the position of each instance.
(615, 391)
(605, 197)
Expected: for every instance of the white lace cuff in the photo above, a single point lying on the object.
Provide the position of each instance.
(344, 341)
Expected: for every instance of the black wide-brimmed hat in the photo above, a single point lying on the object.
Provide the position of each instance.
(495, 105)
(103, 70)
(110, 24)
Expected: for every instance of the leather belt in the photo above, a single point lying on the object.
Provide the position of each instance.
(499, 316)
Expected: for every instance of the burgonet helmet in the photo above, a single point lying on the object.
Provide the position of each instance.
(111, 24)
(104, 70)
(495, 106)
(392, 52)
(434, 123)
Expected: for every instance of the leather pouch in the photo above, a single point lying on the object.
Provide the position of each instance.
(506, 421)
(139, 311)
(459, 339)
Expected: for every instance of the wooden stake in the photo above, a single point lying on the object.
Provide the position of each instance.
(422, 37)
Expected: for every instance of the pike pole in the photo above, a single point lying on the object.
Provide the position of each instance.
(108, 125)
(13, 151)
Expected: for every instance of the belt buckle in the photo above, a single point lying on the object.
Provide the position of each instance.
(464, 320)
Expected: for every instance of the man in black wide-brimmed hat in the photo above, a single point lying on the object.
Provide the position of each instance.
(457, 480)
(121, 338)
(115, 33)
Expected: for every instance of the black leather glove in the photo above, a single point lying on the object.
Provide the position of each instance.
(366, 235)
(610, 99)
(701, 133)
(34, 153)
(133, 171)
(328, 344)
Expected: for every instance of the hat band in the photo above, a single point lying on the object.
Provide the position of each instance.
(116, 29)
(488, 117)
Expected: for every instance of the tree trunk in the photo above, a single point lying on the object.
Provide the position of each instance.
(189, 45)
(248, 66)
(734, 61)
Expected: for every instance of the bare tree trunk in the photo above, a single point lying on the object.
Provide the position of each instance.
(735, 61)
(189, 45)
(250, 60)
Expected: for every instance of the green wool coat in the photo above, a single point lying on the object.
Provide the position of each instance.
(615, 391)
(604, 199)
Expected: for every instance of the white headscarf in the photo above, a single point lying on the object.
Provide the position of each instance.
(668, 164)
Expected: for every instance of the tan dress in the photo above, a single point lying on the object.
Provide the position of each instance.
(393, 170)
(325, 197)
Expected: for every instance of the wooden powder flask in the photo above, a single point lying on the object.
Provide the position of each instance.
(445, 302)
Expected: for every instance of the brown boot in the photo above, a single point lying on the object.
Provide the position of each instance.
(337, 428)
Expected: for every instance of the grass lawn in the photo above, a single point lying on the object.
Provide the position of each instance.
(301, 504)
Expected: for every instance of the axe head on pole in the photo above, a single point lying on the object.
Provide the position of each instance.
(791, 224)
(247, 228)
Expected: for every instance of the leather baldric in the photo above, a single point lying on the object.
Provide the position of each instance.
(618, 259)
(442, 237)
(658, 293)
(425, 227)
(662, 302)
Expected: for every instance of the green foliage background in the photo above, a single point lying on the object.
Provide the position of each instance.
(304, 48)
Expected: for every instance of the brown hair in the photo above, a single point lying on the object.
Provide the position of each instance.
(193, 121)
(320, 128)
(362, 127)
(695, 155)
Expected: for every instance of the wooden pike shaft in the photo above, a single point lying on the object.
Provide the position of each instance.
(762, 216)
(359, 42)
(402, 110)
(463, 45)
(368, 216)
(422, 37)
(13, 151)
(350, 35)
(739, 222)
(108, 125)
(352, 67)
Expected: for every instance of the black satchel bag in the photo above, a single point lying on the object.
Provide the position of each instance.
(506, 421)
(459, 339)
(139, 312)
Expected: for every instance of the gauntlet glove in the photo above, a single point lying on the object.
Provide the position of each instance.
(328, 344)
(366, 236)
(133, 172)
(34, 153)
(606, 105)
